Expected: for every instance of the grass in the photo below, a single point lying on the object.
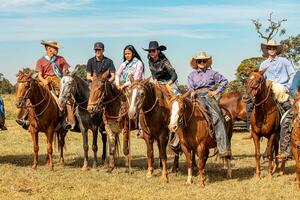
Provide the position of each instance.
(19, 181)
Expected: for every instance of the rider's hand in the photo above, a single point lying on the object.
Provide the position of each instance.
(120, 87)
(45, 82)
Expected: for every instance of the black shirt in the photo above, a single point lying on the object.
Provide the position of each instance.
(100, 66)
(162, 70)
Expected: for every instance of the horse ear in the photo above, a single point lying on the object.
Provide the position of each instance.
(131, 78)
(105, 74)
(145, 80)
(262, 72)
(187, 94)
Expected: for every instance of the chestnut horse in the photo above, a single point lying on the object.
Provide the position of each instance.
(192, 122)
(234, 103)
(295, 139)
(105, 96)
(148, 103)
(264, 119)
(43, 115)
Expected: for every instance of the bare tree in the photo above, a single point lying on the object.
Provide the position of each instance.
(272, 30)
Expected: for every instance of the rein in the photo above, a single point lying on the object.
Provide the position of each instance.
(265, 99)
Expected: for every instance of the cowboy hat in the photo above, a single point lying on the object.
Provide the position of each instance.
(273, 43)
(200, 56)
(155, 45)
(51, 43)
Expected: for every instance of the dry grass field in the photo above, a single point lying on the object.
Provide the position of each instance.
(19, 181)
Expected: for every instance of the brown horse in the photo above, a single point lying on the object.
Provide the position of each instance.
(148, 103)
(105, 96)
(234, 103)
(43, 115)
(190, 120)
(265, 120)
(295, 139)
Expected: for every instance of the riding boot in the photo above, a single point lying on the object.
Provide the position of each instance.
(22, 118)
(285, 136)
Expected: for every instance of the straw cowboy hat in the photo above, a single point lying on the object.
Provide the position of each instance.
(200, 56)
(272, 43)
(155, 45)
(51, 43)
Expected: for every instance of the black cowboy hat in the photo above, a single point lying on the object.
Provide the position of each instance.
(155, 45)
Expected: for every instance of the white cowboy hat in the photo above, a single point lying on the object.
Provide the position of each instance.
(273, 43)
(51, 43)
(200, 56)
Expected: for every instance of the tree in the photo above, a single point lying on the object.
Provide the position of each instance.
(81, 71)
(291, 49)
(272, 30)
(5, 86)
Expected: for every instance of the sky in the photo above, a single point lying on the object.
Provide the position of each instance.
(221, 28)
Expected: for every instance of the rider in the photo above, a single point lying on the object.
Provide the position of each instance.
(203, 77)
(132, 65)
(2, 114)
(99, 64)
(50, 68)
(279, 70)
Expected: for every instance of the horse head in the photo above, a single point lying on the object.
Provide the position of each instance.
(67, 89)
(255, 83)
(97, 91)
(137, 93)
(24, 87)
(177, 107)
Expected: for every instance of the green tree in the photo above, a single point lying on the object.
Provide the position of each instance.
(5, 86)
(81, 71)
(291, 49)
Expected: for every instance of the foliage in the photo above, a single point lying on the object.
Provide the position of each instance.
(291, 49)
(81, 71)
(5, 86)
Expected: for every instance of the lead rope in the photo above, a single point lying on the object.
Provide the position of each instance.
(129, 146)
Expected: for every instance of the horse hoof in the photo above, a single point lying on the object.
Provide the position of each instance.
(189, 181)
(229, 175)
(281, 173)
(51, 168)
(202, 185)
(34, 167)
(165, 179)
(94, 166)
(110, 170)
(174, 170)
(62, 163)
(149, 174)
(85, 168)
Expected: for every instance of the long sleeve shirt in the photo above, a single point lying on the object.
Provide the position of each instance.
(135, 68)
(280, 70)
(206, 79)
(162, 70)
(295, 84)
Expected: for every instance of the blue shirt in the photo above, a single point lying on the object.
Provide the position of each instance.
(280, 70)
(295, 84)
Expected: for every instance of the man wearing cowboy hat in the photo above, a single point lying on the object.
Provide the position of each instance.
(203, 77)
(50, 69)
(279, 70)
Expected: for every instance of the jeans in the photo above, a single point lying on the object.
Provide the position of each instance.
(223, 143)
(250, 106)
(285, 131)
(2, 111)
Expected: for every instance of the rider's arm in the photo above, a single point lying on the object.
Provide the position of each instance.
(171, 71)
(221, 80)
(112, 71)
(290, 71)
(89, 70)
(119, 73)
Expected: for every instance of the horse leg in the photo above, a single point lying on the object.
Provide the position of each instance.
(189, 163)
(201, 152)
(228, 166)
(104, 141)
(61, 159)
(126, 150)
(150, 156)
(95, 147)
(35, 142)
(257, 153)
(163, 156)
(270, 154)
(296, 155)
(112, 148)
(50, 135)
(175, 163)
(85, 149)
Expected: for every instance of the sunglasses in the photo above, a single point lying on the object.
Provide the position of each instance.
(98, 50)
(152, 50)
(271, 48)
(201, 61)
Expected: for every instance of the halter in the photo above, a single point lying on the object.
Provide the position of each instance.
(182, 119)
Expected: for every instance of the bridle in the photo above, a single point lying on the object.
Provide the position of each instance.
(257, 90)
(182, 120)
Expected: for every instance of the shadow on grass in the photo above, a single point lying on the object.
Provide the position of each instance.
(24, 160)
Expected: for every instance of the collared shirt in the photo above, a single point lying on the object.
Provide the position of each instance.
(206, 79)
(135, 68)
(280, 70)
(45, 67)
(100, 66)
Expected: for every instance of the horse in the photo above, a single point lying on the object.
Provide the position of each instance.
(192, 123)
(234, 103)
(74, 88)
(105, 96)
(264, 120)
(43, 115)
(295, 139)
(148, 103)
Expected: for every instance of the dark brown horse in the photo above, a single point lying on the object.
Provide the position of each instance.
(191, 121)
(148, 103)
(265, 120)
(43, 115)
(295, 138)
(105, 96)
(234, 103)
